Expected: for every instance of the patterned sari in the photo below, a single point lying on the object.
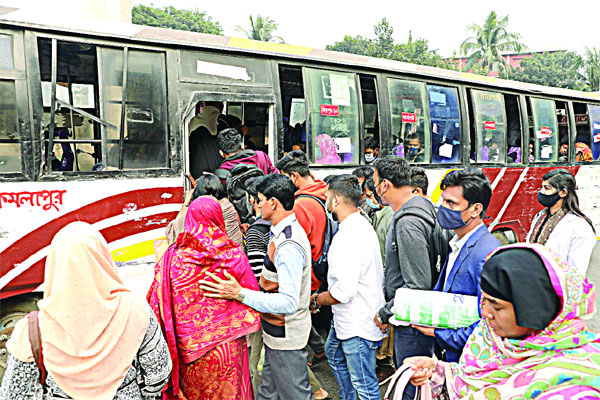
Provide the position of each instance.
(205, 335)
(560, 362)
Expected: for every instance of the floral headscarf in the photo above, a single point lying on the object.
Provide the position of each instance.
(560, 362)
(327, 150)
(584, 152)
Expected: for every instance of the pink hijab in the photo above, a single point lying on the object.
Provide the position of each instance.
(91, 324)
(194, 324)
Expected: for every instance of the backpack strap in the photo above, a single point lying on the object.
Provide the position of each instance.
(222, 173)
(35, 339)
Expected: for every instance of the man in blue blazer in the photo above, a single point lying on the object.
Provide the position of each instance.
(466, 197)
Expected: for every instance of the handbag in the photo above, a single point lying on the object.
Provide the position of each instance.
(35, 339)
(400, 381)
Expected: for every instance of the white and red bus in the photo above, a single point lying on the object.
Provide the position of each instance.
(94, 126)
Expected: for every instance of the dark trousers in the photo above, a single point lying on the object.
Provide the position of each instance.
(285, 376)
(409, 342)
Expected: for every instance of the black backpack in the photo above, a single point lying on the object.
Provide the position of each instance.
(440, 244)
(321, 266)
(235, 185)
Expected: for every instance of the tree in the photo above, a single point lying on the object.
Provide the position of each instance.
(488, 42)
(261, 28)
(588, 67)
(554, 70)
(170, 17)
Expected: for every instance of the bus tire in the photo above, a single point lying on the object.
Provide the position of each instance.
(505, 237)
(13, 309)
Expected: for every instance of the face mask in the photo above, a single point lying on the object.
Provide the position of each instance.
(548, 200)
(369, 157)
(372, 204)
(451, 219)
(412, 152)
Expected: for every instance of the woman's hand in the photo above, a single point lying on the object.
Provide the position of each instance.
(424, 367)
(221, 288)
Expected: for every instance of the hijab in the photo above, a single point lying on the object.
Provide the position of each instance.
(562, 359)
(91, 325)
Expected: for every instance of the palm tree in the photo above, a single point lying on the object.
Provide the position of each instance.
(588, 67)
(488, 42)
(261, 28)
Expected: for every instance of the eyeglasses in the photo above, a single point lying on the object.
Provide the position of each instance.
(370, 195)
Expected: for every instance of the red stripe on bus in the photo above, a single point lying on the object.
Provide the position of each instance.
(33, 276)
(100, 210)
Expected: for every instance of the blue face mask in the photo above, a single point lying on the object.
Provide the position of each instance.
(451, 219)
(413, 151)
(371, 204)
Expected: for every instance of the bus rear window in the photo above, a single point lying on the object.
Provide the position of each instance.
(410, 120)
(545, 130)
(490, 126)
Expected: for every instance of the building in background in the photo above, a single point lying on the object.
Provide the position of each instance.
(514, 60)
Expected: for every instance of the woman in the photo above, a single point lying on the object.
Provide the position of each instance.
(326, 150)
(561, 226)
(98, 340)
(208, 185)
(531, 341)
(583, 152)
(205, 336)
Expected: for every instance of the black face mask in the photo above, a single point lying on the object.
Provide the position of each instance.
(548, 200)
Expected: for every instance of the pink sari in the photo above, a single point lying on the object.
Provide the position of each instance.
(205, 336)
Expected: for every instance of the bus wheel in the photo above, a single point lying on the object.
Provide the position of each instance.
(11, 314)
(505, 237)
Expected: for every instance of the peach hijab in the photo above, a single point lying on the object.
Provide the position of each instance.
(91, 325)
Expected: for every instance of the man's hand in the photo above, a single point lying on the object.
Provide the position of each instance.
(221, 288)
(188, 197)
(424, 367)
(311, 303)
(425, 330)
(382, 327)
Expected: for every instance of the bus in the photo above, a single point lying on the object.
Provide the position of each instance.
(95, 125)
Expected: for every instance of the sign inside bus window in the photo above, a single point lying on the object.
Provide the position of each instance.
(410, 118)
(330, 110)
(46, 199)
(544, 132)
(491, 125)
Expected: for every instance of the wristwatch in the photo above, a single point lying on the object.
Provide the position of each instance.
(240, 296)
(313, 302)
(379, 319)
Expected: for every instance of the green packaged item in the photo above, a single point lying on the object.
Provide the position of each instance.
(434, 309)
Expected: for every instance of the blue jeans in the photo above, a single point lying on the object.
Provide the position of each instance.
(409, 342)
(353, 364)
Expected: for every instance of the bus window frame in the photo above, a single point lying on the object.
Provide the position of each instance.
(173, 139)
(461, 116)
(18, 75)
(573, 132)
(472, 103)
(556, 163)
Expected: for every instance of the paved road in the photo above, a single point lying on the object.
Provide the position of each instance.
(325, 376)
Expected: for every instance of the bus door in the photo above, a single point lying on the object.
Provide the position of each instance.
(223, 91)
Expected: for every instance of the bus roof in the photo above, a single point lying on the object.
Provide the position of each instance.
(91, 27)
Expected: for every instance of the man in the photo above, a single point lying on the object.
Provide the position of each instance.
(355, 279)
(362, 173)
(466, 197)
(371, 150)
(407, 259)
(414, 152)
(563, 152)
(230, 147)
(285, 282)
(419, 181)
(204, 150)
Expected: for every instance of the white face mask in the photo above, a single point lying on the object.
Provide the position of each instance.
(369, 157)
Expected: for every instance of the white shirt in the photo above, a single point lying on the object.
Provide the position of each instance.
(356, 279)
(456, 245)
(572, 239)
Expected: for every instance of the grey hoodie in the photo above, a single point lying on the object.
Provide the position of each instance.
(409, 265)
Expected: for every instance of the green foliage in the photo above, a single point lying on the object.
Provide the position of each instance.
(588, 68)
(488, 42)
(170, 17)
(383, 46)
(261, 28)
(554, 70)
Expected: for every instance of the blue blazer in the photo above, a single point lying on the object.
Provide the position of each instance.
(464, 278)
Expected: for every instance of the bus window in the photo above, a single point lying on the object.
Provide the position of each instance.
(514, 136)
(410, 124)
(562, 117)
(490, 126)
(583, 138)
(294, 108)
(333, 129)
(368, 94)
(545, 129)
(594, 113)
(10, 149)
(445, 124)
(6, 53)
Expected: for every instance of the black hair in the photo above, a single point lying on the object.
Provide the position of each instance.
(371, 143)
(277, 186)
(368, 183)
(251, 187)
(294, 161)
(347, 187)
(328, 178)
(364, 171)
(395, 169)
(475, 186)
(209, 185)
(562, 179)
(229, 140)
(418, 178)
(233, 121)
(413, 136)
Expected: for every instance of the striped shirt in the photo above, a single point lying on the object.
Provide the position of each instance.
(257, 241)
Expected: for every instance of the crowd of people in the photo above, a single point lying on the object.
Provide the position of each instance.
(258, 251)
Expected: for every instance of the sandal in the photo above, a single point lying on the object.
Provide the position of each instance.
(317, 359)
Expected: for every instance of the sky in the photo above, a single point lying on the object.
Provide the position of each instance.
(544, 25)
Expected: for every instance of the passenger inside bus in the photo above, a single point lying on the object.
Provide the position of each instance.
(203, 128)
(414, 150)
